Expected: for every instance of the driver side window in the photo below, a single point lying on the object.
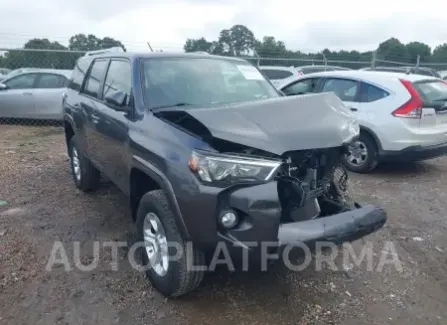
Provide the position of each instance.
(24, 81)
(302, 87)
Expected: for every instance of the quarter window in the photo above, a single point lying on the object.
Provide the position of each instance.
(370, 93)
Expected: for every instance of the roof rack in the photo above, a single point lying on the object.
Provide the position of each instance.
(116, 49)
(200, 52)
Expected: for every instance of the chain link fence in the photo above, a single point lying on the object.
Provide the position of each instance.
(35, 98)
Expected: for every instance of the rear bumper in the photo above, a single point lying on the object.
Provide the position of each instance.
(415, 153)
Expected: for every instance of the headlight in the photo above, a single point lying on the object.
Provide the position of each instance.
(212, 168)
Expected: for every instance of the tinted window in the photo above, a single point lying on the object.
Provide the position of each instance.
(48, 81)
(78, 73)
(118, 77)
(432, 90)
(93, 82)
(370, 93)
(24, 81)
(345, 89)
(273, 74)
(202, 82)
(302, 87)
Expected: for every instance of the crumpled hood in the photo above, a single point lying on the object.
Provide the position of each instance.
(282, 124)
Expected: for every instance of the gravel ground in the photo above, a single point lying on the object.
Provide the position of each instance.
(43, 207)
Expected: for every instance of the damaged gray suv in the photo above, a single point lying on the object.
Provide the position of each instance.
(209, 152)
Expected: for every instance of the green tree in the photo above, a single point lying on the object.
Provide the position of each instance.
(196, 45)
(236, 41)
(440, 54)
(82, 42)
(417, 48)
(392, 50)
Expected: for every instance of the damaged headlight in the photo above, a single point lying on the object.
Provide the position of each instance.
(212, 167)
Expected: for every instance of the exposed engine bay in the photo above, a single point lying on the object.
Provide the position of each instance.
(312, 184)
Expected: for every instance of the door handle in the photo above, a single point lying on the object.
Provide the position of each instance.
(27, 93)
(353, 109)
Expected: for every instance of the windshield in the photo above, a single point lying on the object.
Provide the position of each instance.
(432, 90)
(202, 82)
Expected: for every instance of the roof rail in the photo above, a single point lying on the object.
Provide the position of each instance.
(102, 51)
(200, 52)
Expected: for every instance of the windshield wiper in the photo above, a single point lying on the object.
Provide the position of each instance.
(172, 105)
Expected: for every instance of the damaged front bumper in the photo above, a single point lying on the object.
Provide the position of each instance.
(260, 214)
(338, 229)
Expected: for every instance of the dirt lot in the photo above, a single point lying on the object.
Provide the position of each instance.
(43, 207)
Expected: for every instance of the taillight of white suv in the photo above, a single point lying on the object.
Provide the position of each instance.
(413, 107)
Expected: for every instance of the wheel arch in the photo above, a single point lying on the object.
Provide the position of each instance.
(145, 177)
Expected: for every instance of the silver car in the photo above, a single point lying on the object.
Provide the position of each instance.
(34, 94)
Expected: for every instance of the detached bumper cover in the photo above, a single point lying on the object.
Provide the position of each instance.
(339, 228)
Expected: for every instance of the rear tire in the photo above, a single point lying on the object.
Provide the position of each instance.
(175, 279)
(363, 157)
(86, 176)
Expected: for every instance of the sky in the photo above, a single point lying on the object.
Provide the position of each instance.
(308, 26)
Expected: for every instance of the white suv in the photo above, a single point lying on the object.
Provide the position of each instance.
(402, 117)
(278, 75)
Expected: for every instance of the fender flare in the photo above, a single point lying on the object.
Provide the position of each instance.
(158, 176)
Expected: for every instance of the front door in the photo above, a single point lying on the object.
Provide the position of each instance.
(17, 101)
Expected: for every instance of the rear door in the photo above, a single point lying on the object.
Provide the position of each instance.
(48, 96)
(346, 89)
(17, 100)
(91, 105)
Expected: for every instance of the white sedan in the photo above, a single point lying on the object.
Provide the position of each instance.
(403, 117)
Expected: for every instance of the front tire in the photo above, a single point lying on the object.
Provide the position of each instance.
(156, 227)
(362, 156)
(86, 176)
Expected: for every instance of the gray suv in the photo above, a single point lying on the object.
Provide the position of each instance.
(210, 153)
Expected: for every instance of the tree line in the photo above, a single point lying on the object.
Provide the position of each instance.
(241, 41)
(59, 58)
(238, 40)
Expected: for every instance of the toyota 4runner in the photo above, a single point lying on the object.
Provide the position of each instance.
(208, 151)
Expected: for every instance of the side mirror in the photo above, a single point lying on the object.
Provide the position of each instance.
(117, 100)
(3, 86)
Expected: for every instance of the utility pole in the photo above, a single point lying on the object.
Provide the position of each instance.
(417, 60)
(374, 59)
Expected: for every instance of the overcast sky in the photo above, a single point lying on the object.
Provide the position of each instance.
(304, 25)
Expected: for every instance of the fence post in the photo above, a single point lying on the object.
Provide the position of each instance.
(374, 59)
(417, 60)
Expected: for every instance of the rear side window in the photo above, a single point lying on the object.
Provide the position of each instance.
(78, 74)
(94, 79)
(433, 91)
(273, 74)
(50, 81)
(302, 87)
(370, 93)
(345, 89)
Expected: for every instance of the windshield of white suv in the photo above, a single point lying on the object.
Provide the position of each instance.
(201, 82)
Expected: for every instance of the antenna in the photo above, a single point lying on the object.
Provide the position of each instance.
(149, 44)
